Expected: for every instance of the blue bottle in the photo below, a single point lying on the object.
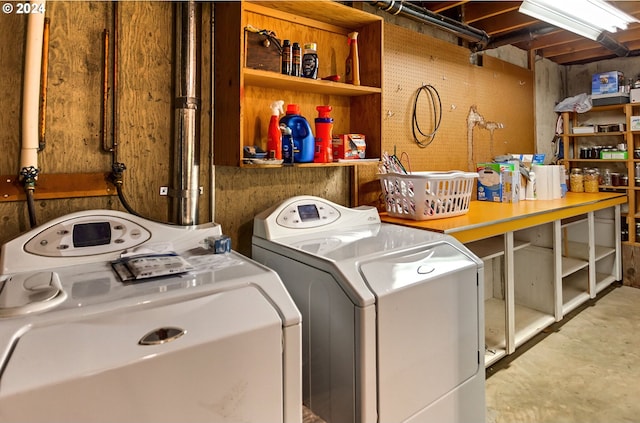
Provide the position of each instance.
(303, 139)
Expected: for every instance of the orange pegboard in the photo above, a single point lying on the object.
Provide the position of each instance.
(502, 93)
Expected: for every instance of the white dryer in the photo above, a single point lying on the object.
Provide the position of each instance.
(393, 319)
(215, 340)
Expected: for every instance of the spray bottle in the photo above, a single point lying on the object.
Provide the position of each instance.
(352, 65)
(324, 126)
(274, 136)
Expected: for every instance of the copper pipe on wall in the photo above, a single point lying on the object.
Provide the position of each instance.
(115, 106)
(105, 93)
(43, 86)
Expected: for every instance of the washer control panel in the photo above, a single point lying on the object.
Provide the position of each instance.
(87, 235)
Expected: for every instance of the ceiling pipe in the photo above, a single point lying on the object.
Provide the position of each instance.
(523, 36)
(611, 44)
(420, 14)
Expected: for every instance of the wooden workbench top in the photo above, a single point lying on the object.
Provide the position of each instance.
(485, 218)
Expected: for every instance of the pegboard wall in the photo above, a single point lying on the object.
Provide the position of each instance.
(502, 94)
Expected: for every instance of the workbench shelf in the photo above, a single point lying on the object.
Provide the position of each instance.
(619, 114)
(492, 252)
(556, 267)
(243, 94)
(541, 260)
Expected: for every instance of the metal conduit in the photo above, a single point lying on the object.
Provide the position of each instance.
(187, 116)
(423, 15)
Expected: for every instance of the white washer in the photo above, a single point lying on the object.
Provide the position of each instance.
(393, 318)
(219, 343)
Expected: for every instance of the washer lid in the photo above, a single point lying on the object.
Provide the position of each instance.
(400, 271)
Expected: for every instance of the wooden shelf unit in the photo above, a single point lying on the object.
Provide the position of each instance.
(243, 95)
(616, 113)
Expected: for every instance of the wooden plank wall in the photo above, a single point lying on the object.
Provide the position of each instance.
(145, 120)
(503, 93)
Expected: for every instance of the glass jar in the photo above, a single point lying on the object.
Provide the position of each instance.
(590, 180)
(624, 179)
(606, 177)
(615, 179)
(584, 153)
(576, 180)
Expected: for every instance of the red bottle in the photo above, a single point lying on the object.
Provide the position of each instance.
(324, 127)
(274, 136)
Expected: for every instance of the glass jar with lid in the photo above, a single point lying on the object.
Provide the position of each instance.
(624, 179)
(590, 180)
(576, 180)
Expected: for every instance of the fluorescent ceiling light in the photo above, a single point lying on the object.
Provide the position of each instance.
(588, 18)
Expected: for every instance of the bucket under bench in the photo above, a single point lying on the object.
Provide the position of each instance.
(542, 258)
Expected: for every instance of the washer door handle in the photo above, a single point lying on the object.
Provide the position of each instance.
(425, 269)
(161, 336)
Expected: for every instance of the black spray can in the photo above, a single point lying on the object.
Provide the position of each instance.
(296, 59)
(286, 57)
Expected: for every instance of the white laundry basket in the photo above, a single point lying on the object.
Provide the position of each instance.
(427, 195)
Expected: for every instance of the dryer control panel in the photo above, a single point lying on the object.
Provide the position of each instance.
(87, 235)
(307, 214)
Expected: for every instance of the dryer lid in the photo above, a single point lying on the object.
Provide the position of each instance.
(400, 271)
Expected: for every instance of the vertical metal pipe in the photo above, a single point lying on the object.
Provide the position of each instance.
(187, 115)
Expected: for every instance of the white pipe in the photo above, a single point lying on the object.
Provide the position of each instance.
(31, 90)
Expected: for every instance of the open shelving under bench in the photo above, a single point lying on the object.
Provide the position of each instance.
(542, 259)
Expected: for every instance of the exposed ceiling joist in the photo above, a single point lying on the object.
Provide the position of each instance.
(502, 22)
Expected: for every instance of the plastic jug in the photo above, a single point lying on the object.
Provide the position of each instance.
(324, 127)
(303, 139)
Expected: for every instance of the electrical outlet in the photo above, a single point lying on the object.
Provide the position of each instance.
(164, 190)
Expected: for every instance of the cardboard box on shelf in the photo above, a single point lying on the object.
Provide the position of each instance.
(606, 82)
(348, 146)
(498, 182)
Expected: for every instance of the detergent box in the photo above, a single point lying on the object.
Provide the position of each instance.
(348, 146)
(498, 182)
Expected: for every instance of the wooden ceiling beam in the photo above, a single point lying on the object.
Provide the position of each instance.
(510, 21)
(477, 11)
(441, 6)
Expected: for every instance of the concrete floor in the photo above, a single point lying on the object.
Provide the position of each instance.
(584, 369)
